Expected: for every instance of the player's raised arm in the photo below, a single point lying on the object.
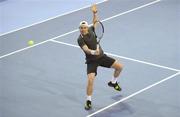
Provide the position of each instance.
(94, 11)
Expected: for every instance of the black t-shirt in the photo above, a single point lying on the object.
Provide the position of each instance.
(91, 41)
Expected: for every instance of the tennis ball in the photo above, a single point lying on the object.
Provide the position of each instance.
(30, 42)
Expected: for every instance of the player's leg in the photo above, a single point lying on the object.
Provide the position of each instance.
(109, 62)
(90, 82)
(117, 70)
(89, 90)
(91, 73)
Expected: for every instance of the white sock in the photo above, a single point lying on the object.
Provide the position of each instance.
(114, 80)
(89, 98)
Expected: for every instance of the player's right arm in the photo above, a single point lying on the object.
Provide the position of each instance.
(89, 51)
(85, 48)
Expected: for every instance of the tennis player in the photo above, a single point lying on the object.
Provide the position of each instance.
(95, 57)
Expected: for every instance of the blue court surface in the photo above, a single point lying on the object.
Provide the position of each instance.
(49, 78)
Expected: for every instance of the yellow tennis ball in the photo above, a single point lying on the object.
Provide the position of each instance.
(30, 42)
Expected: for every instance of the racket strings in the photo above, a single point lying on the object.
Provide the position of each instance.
(99, 30)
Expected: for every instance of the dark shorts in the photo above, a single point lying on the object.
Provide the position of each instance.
(104, 61)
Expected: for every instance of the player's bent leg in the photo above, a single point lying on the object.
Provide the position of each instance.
(118, 68)
(91, 77)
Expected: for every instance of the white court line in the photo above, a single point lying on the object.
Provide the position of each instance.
(126, 58)
(147, 63)
(106, 19)
(20, 50)
(67, 13)
(52, 39)
(140, 7)
(134, 94)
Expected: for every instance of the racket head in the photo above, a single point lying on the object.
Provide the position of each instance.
(98, 30)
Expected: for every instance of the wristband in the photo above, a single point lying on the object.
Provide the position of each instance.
(93, 52)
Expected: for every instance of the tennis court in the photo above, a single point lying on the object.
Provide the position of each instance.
(49, 78)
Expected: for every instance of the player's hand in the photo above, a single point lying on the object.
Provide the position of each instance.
(94, 8)
(95, 52)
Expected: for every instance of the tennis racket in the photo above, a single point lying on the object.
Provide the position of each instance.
(99, 30)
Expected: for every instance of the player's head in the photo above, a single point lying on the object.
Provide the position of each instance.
(83, 27)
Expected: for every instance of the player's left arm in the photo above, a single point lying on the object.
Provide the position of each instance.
(94, 11)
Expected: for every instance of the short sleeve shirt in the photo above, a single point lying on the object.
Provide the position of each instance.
(91, 41)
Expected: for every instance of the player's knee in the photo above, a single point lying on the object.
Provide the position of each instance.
(119, 67)
(91, 79)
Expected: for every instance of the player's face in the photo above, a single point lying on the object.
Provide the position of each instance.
(84, 30)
